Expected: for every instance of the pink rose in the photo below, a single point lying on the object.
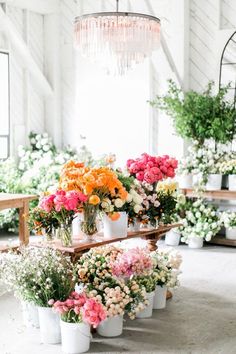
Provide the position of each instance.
(140, 176)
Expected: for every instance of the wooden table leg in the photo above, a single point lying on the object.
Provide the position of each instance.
(23, 227)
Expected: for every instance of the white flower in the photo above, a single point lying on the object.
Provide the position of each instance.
(129, 198)
(137, 208)
(119, 203)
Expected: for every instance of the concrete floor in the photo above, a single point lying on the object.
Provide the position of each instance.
(201, 318)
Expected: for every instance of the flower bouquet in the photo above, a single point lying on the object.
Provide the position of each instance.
(42, 222)
(78, 313)
(63, 206)
(100, 185)
(151, 169)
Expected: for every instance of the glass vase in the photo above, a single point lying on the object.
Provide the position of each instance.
(48, 235)
(89, 223)
(66, 235)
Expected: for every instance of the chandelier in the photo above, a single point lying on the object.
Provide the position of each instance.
(117, 40)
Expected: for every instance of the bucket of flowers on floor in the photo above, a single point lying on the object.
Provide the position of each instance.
(65, 300)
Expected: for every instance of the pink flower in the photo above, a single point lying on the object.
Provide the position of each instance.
(82, 197)
(140, 176)
(47, 203)
(93, 312)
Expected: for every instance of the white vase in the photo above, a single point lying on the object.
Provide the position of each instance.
(111, 327)
(30, 314)
(195, 242)
(49, 321)
(185, 182)
(159, 301)
(75, 337)
(230, 234)
(118, 228)
(147, 312)
(214, 182)
(232, 182)
(172, 238)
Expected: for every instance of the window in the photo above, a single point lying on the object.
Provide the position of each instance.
(4, 106)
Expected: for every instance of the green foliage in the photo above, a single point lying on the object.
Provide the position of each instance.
(199, 116)
(36, 170)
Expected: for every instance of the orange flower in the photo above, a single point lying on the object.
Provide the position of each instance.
(94, 199)
(114, 216)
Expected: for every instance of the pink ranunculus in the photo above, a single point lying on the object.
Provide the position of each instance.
(140, 176)
(155, 170)
(93, 312)
(51, 302)
(134, 167)
(170, 172)
(149, 177)
(82, 197)
(69, 302)
(60, 202)
(47, 203)
(129, 162)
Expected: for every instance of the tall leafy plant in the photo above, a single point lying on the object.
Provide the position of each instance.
(199, 116)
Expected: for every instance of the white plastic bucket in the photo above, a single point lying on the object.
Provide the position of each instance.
(195, 242)
(30, 314)
(147, 312)
(185, 182)
(159, 301)
(118, 228)
(214, 182)
(172, 238)
(111, 327)
(230, 234)
(75, 337)
(232, 182)
(49, 321)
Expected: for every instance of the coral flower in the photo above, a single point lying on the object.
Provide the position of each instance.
(94, 200)
(114, 216)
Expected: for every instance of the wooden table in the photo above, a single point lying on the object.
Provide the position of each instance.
(81, 246)
(21, 202)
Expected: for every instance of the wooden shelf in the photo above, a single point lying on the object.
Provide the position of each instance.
(221, 240)
(80, 246)
(223, 194)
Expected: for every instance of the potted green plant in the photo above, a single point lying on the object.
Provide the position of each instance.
(199, 115)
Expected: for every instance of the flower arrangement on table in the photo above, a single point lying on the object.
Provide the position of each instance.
(37, 275)
(62, 206)
(159, 202)
(200, 220)
(151, 169)
(100, 185)
(79, 308)
(42, 222)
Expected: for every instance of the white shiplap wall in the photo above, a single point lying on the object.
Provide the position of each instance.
(26, 104)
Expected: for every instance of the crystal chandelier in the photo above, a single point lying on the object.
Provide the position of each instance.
(117, 40)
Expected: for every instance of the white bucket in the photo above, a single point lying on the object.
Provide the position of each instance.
(214, 182)
(185, 182)
(172, 238)
(232, 182)
(30, 314)
(230, 234)
(111, 327)
(50, 332)
(160, 297)
(118, 228)
(147, 312)
(195, 242)
(75, 337)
